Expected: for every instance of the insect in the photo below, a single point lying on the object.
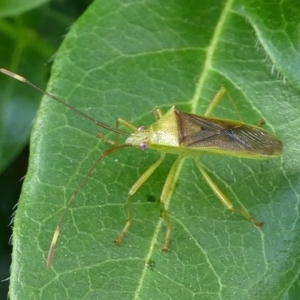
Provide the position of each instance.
(180, 133)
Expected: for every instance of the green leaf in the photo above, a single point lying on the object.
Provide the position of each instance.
(123, 59)
(18, 104)
(29, 45)
(9, 8)
(294, 291)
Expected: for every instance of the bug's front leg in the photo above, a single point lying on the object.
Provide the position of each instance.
(119, 122)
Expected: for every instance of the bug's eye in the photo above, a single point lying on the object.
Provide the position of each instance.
(143, 146)
(141, 128)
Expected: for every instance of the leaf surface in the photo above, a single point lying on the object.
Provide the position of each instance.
(123, 59)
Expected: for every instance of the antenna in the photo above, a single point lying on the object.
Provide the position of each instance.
(24, 80)
(92, 168)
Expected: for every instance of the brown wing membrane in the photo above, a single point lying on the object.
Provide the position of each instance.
(198, 131)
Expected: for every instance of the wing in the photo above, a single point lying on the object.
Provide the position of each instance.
(204, 132)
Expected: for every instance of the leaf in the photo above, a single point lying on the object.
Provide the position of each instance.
(29, 47)
(123, 59)
(18, 103)
(9, 8)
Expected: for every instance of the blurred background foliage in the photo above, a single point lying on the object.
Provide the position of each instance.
(30, 33)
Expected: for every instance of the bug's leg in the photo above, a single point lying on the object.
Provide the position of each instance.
(260, 123)
(141, 180)
(157, 114)
(168, 187)
(119, 121)
(214, 102)
(127, 124)
(216, 99)
(225, 201)
(101, 136)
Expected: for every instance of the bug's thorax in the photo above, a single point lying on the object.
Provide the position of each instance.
(163, 132)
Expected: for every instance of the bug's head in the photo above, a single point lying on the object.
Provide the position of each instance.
(140, 138)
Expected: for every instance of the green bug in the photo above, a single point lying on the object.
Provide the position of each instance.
(183, 134)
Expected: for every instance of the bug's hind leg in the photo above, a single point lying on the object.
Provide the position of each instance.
(225, 201)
